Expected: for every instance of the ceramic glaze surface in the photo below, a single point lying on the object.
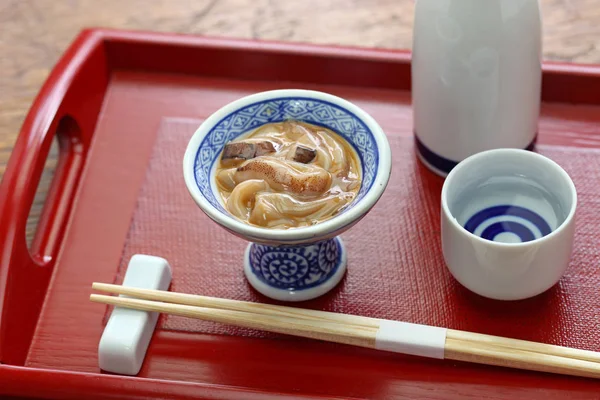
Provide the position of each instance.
(298, 263)
(296, 273)
(296, 267)
(476, 74)
(508, 223)
(508, 209)
(244, 115)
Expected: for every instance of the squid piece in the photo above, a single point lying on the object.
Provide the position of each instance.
(285, 176)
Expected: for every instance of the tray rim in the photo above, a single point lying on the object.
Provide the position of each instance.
(44, 109)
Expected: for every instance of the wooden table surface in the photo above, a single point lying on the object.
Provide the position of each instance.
(34, 33)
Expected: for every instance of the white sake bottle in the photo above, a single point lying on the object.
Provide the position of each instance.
(476, 77)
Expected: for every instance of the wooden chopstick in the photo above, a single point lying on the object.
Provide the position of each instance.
(235, 305)
(322, 330)
(463, 346)
(525, 345)
(514, 358)
(293, 312)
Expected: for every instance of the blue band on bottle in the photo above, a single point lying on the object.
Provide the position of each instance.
(443, 164)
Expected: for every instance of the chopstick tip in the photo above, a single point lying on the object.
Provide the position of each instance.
(96, 298)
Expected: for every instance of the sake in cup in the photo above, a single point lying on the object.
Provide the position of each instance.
(508, 223)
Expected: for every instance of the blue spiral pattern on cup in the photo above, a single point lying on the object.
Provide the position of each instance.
(516, 220)
(296, 267)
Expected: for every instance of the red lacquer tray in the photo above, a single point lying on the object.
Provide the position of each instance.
(123, 106)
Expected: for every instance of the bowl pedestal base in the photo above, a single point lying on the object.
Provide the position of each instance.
(295, 272)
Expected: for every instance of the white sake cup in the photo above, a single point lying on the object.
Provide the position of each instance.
(508, 223)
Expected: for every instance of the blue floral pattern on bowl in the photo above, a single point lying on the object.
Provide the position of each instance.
(309, 110)
(295, 267)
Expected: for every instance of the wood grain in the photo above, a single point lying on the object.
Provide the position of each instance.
(339, 318)
(34, 33)
(236, 305)
(308, 328)
(339, 331)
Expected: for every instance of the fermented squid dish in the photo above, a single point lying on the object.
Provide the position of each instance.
(288, 174)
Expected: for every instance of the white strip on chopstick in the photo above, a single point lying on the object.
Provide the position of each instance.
(413, 339)
(398, 339)
(393, 336)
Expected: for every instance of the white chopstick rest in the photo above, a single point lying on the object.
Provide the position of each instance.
(128, 332)
(414, 339)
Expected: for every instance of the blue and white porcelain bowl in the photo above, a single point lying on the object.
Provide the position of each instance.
(299, 263)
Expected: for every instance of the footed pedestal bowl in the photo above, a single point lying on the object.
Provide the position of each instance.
(301, 263)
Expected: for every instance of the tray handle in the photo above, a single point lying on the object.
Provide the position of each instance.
(50, 228)
(67, 109)
(25, 272)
